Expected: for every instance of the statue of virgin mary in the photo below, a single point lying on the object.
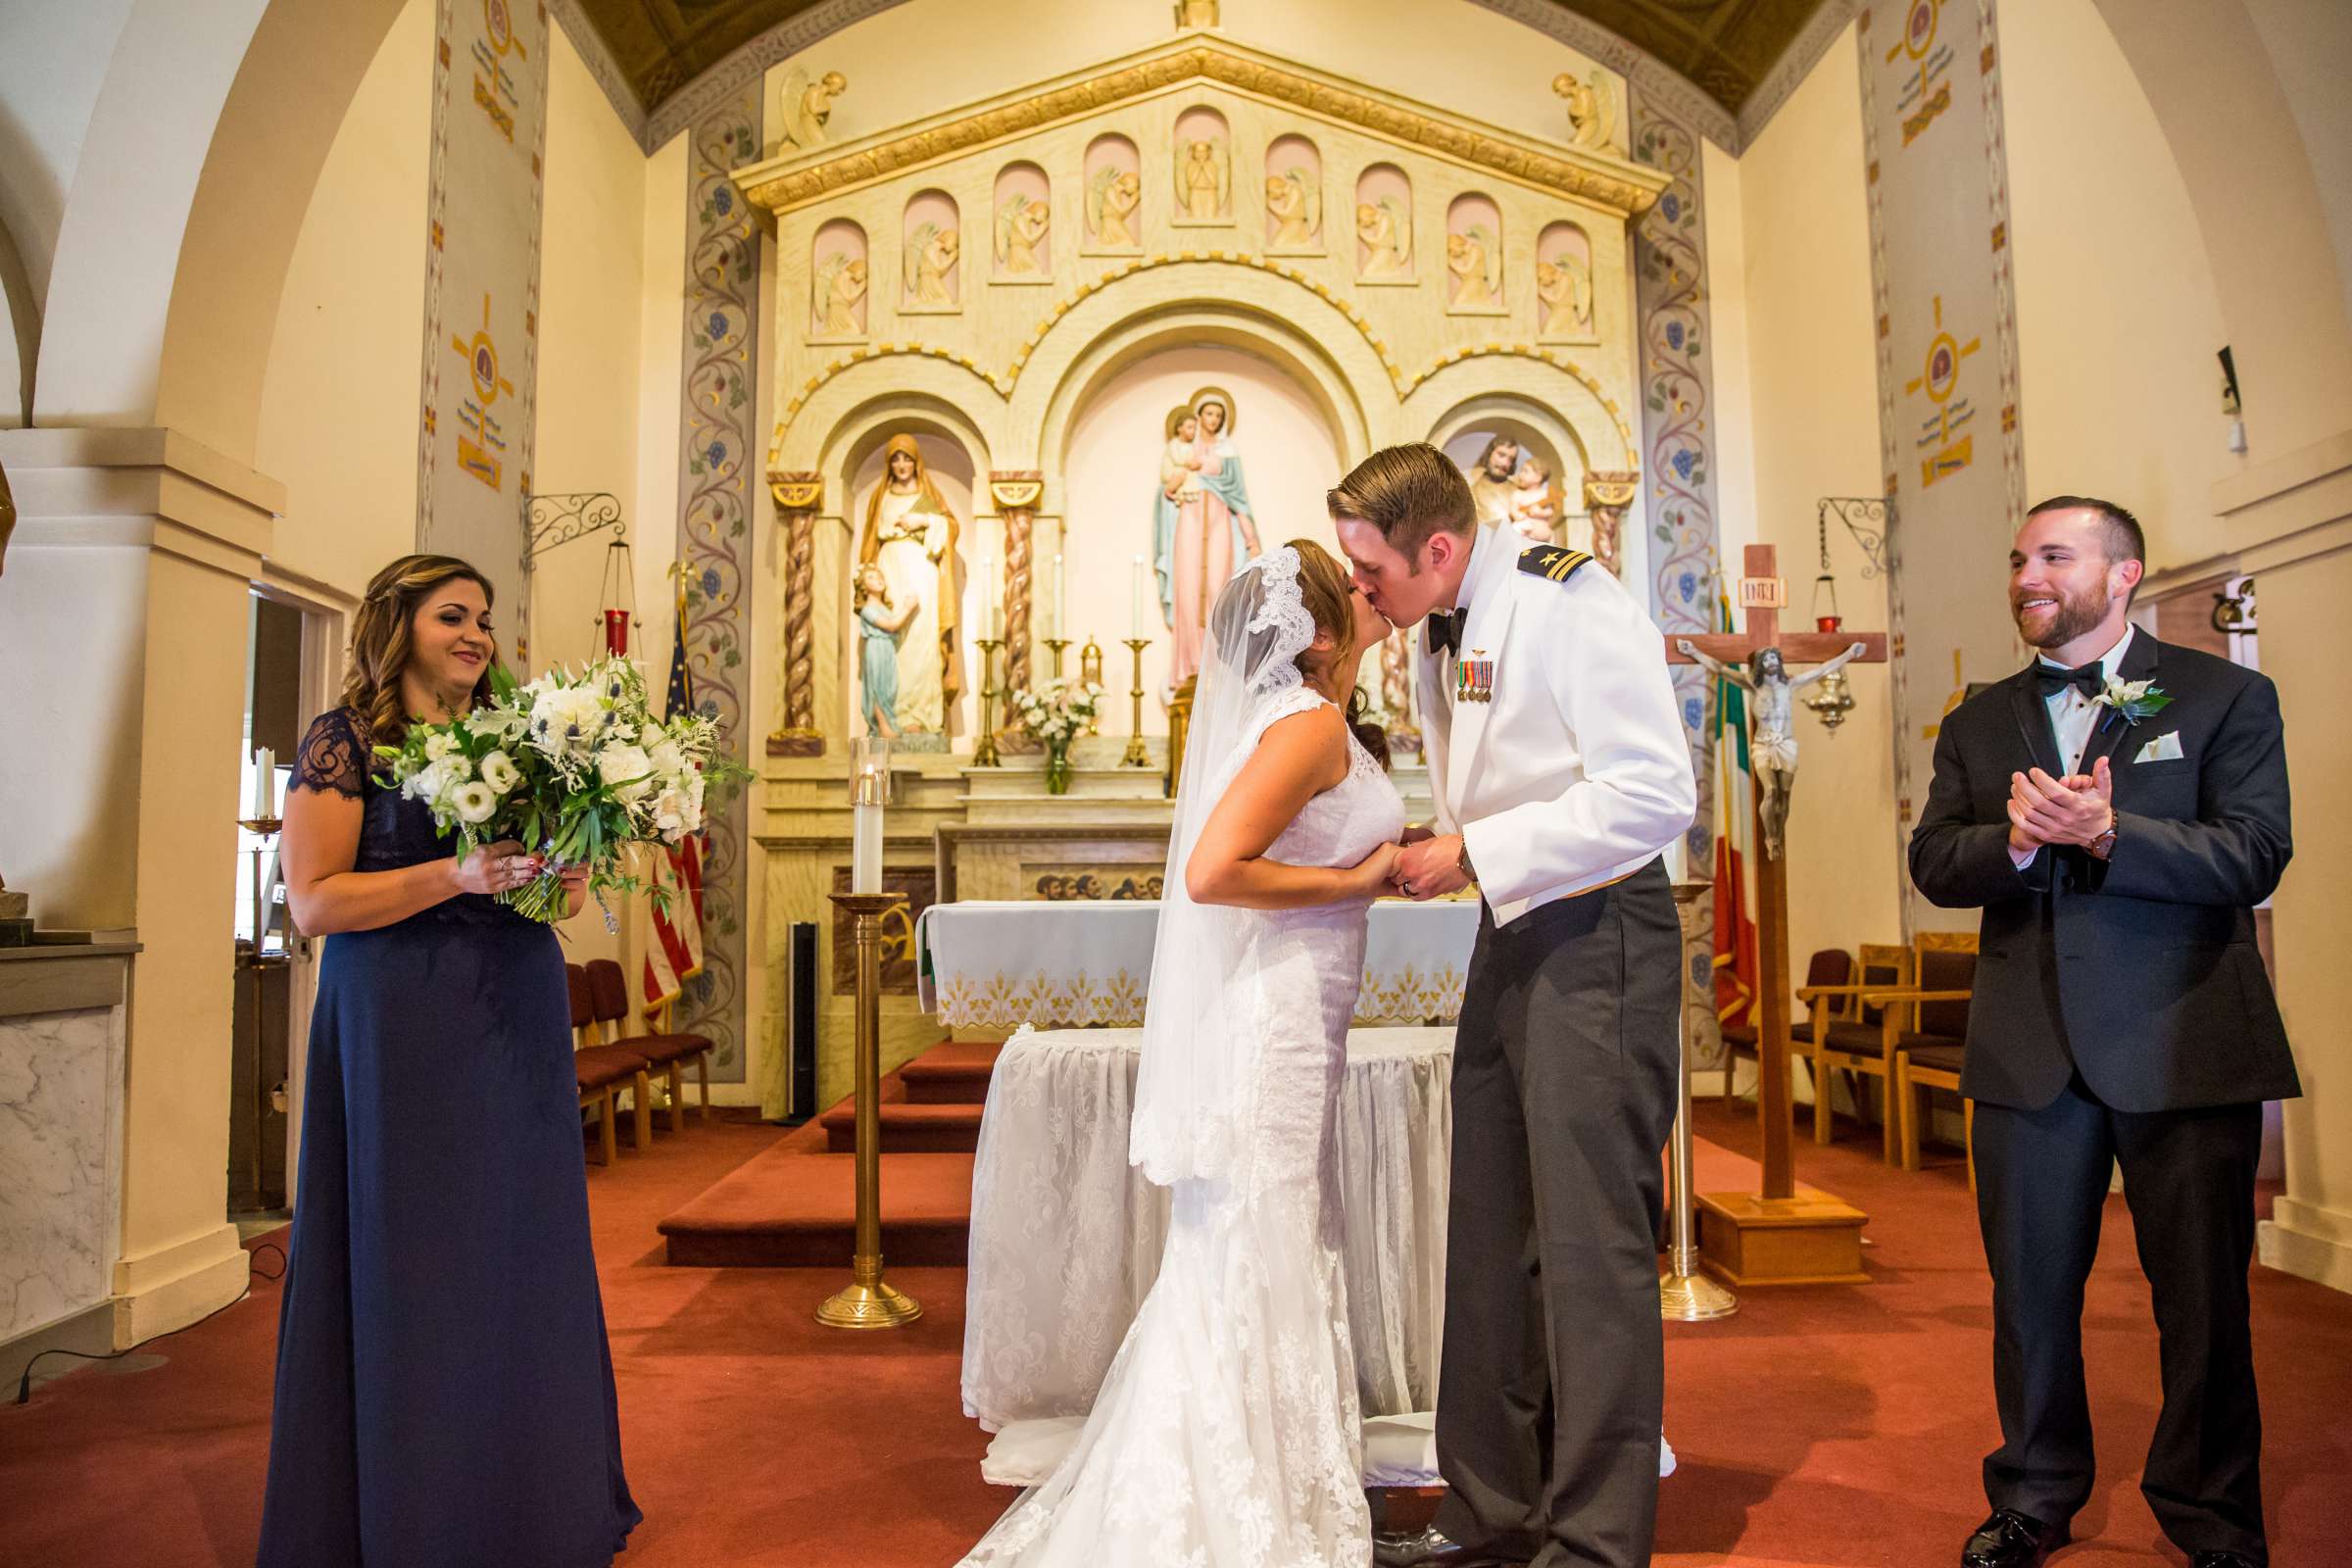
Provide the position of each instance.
(910, 534)
(1202, 525)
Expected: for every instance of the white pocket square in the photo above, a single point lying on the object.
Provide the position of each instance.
(2163, 749)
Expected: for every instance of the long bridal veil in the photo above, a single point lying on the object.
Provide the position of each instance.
(1195, 1040)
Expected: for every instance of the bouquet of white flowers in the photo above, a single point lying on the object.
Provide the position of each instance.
(1059, 713)
(574, 765)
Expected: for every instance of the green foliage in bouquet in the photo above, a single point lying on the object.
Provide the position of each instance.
(575, 767)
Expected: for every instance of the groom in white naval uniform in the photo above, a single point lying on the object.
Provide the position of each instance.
(1561, 770)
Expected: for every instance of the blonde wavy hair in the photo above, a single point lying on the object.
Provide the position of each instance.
(380, 641)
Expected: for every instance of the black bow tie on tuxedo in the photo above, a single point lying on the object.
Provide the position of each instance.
(2054, 678)
(1445, 631)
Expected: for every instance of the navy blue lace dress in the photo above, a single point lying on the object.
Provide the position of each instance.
(444, 1383)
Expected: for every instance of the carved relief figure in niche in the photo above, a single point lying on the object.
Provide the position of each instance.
(880, 623)
(1196, 13)
(837, 281)
(1592, 108)
(933, 249)
(1024, 220)
(1114, 191)
(1564, 282)
(1384, 226)
(1491, 492)
(1535, 502)
(1474, 254)
(910, 535)
(805, 106)
(1294, 195)
(1203, 167)
(1202, 524)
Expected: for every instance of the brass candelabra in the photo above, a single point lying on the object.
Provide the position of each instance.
(984, 750)
(1136, 754)
(869, 1302)
(1053, 648)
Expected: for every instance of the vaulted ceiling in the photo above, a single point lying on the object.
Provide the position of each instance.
(1724, 47)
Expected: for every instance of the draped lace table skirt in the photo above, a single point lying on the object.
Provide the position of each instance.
(1066, 1235)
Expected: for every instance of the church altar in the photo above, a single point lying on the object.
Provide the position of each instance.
(1066, 1235)
(992, 964)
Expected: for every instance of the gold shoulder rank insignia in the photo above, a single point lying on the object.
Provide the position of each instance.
(1556, 561)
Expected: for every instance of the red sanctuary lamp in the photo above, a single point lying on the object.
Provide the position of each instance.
(1834, 698)
(619, 599)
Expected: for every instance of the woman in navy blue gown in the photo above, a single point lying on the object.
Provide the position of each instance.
(444, 1384)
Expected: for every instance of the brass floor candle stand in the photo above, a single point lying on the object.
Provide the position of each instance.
(1053, 648)
(1136, 754)
(261, 828)
(984, 750)
(1684, 1294)
(869, 1302)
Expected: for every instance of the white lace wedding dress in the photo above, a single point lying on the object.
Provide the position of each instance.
(1227, 1432)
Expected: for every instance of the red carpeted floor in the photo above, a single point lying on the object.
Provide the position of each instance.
(1820, 1426)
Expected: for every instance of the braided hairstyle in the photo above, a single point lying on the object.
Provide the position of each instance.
(380, 641)
(1330, 599)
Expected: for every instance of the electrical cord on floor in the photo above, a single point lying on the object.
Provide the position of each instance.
(24, 1383)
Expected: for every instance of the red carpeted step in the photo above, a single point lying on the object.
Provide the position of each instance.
(951, 1074)
(907, 1128)
(788, 1208)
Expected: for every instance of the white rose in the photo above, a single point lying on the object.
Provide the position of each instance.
(500, 773)
(428, 782)
(626, 768)
(473, 803)
(439, 745)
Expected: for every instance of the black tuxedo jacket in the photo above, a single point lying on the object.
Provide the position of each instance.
(2140, 971)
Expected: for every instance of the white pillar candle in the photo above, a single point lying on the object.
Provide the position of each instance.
(865, 848)
(1137, 606)
(265, 783)
(1060, 610)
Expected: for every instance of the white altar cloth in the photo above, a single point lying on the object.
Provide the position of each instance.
(1066, 1235)
(1001, 963)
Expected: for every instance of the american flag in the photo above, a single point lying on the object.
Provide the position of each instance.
(675, 955)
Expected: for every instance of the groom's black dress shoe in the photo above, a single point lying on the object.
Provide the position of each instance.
(2012, 1540)
(1430, 1549)
(2223, 1559)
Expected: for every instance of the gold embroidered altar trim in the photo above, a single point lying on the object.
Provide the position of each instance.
(1077, 999)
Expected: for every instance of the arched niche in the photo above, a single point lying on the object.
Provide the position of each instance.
(1203, 188)
(1540, 438)
(838, 272)
(931, 256)
(1023, 225)
(1563, 285)
(1115, 194)
(1384, 226)
(1474, 256)
(1294, 197)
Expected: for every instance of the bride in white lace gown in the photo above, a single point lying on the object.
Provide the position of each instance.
(1225, 1432)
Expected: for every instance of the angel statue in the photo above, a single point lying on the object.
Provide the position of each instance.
(1772, 745)
(1385, 229)
(936, 250)
(1021, 225)
(1564, 287)
(837, 292)
(1592, 109)
(807, 105)
(1112, 197)
(1205, 177)
(1475, 258)
(1293, 207)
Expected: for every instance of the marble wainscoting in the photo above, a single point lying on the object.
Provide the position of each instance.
(61, 1137)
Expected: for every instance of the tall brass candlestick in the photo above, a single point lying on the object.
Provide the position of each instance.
(1684, 1294)
(1053, 648)
(261, 827)
(1136, 754)
(984, 751)
(867, 1301)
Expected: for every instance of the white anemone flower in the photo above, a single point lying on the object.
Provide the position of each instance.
(473, 803)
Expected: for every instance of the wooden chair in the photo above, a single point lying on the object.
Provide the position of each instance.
(609, 999)
(1830, 966)
(602, 1070)
(1860, 1043)
(1944, 966)
(1932, 1054)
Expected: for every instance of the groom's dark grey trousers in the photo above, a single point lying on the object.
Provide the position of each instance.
(1564, 1071)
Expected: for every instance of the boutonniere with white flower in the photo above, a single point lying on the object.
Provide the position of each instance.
(2135, 700)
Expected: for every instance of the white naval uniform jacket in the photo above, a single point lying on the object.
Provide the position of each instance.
(1577, 772)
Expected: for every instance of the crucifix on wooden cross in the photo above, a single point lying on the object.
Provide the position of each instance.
(1763, 594)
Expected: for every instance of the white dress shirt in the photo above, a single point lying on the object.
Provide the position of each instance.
(2074, 718)
(1575, 771)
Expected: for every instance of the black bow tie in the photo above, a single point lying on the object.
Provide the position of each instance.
(1445, 631)
(2054, 678)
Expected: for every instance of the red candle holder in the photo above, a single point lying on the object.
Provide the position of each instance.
(617, 633)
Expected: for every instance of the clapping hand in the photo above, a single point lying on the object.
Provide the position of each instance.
(2074, 809)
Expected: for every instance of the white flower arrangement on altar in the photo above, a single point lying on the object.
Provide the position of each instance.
(574, 765)
(1059, 713)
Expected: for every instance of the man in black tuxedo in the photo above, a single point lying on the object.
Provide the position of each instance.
(2121, 1013)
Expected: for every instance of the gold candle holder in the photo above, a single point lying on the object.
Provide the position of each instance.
(869, 1302)
(1053, 648)
(984, 750)
(1090, 673)
(1136, 754)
